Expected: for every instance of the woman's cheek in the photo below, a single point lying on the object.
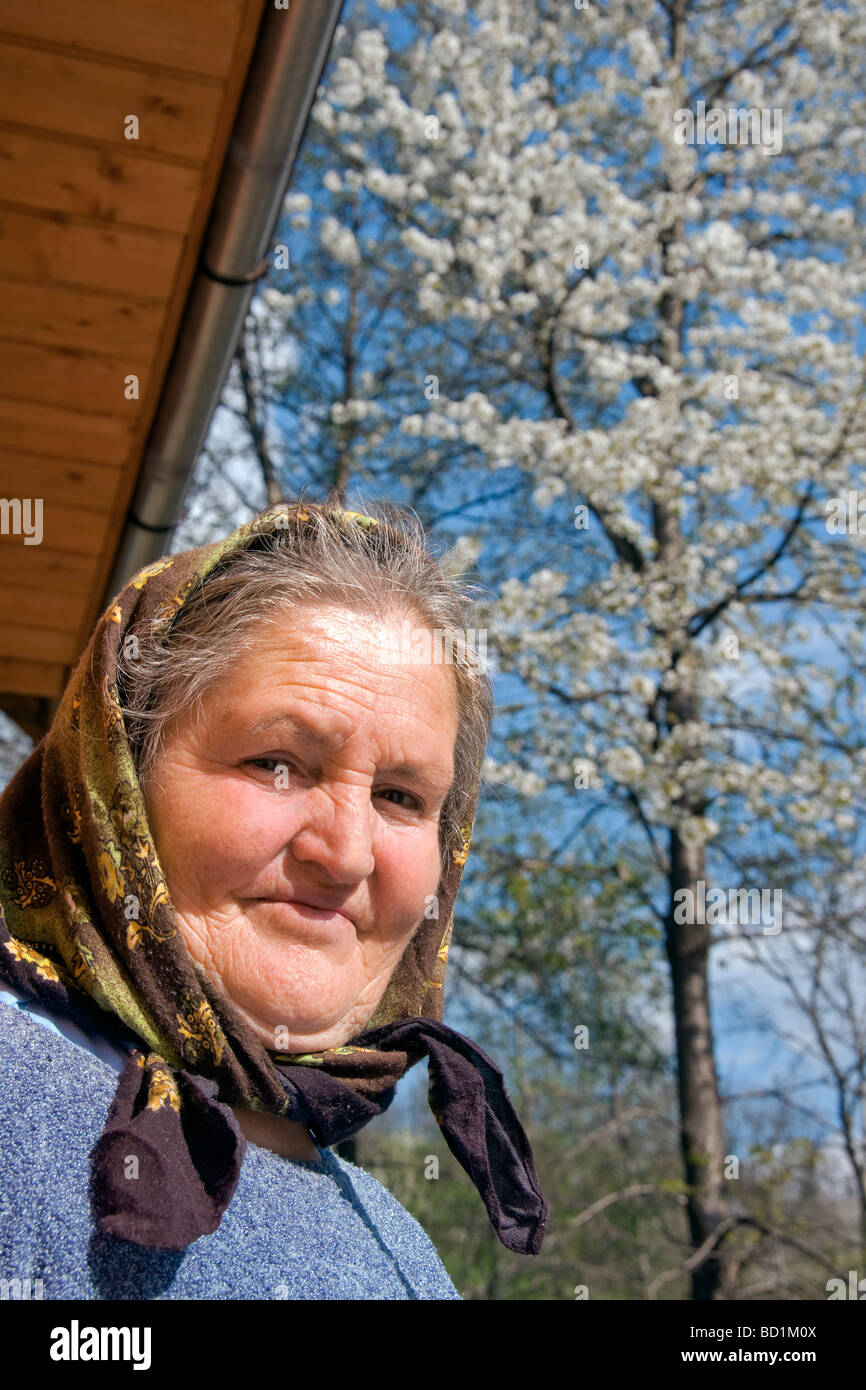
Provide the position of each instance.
(242, 825)
(414, 873)
(263, 820)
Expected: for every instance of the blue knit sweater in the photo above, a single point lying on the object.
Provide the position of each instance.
(293, 1229)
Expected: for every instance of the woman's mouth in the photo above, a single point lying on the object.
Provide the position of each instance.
(320, 917)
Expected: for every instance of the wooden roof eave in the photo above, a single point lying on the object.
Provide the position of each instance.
(230, 116)
(284, 73)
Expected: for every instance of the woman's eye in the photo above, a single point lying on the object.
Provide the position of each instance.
(396, 791)
(281, 767)
(273, 765)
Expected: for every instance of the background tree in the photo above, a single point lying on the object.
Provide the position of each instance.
(822, 978)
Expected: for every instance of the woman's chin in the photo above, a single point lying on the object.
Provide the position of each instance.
(299, 1022)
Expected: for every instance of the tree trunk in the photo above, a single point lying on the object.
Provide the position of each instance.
(688, 945)
(701, 1130)
(255, 424)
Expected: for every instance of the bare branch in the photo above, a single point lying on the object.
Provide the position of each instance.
(640, 1189)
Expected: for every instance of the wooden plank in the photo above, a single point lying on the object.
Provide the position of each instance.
(32, 677)
(22, 605)
(89, 98)
(69, 378)
(41, 568)
(196, 36)
(71, 484)
(234, 86)
(42, 644)
(52, 248)
(62, 433)
(76, 530)
(116, 186)
(81, 319)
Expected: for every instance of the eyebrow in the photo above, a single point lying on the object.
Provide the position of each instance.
(434, 784)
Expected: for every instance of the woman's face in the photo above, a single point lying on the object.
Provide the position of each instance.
(315, 775)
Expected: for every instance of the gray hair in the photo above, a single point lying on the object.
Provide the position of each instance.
(370, 569)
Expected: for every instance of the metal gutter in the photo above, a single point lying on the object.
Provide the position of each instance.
(285, 70)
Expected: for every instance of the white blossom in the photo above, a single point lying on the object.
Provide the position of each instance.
(340, 241)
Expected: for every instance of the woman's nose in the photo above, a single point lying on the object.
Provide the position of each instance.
(337, 834)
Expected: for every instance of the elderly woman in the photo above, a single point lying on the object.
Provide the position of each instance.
(227, 877)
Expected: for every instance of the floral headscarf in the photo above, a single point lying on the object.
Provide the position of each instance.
(87, 926)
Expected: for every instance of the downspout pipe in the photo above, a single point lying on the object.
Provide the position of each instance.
(285, 71)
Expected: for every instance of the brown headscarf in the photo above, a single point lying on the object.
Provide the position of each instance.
(87, 926)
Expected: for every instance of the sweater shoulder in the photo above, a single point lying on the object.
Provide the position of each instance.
(384, 1207)
(45, 1069)
(292, 1230)
(54, 1100)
